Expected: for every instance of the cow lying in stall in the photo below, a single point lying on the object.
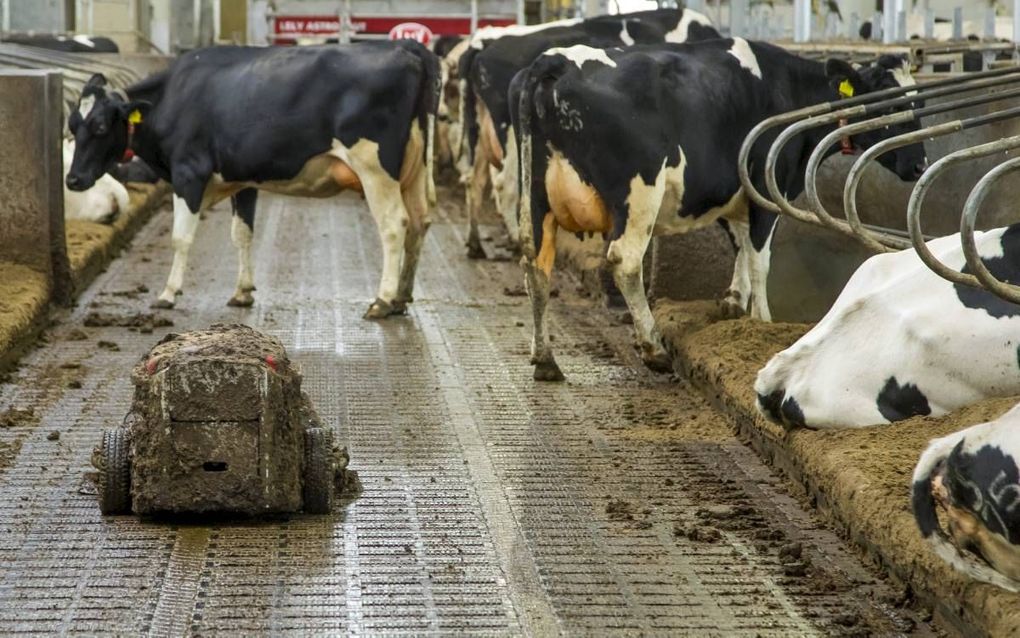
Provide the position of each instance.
(306, 121)
(101, 203)
(486, 76)
(901, 341)
(972, 477)
(637, 142)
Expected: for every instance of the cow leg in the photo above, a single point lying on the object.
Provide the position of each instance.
(537, 280)
(416, 202)
(734, 301)
(625, 257)
(382, 192)
(759, 257)
(242, 228)
(185, 225)
(506, 187)
(475, 194)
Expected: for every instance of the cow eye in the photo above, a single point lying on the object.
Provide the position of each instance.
(98, 128)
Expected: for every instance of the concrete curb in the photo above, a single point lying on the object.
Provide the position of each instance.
(91, 247)
(858, 480)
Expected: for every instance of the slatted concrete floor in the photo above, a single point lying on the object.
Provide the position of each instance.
(490, 504)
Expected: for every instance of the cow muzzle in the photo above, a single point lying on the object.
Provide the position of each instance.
(77, 183)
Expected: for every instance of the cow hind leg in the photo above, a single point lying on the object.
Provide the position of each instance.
(759, 257)
(475, 196)
(416, 202)
(538, 279)
(382, 192)
(735, 300)
(625, 256)
(242, 229)
(185, 226)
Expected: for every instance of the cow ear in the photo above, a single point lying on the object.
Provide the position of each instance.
(135, 111)
(843, 77)
(97, 79)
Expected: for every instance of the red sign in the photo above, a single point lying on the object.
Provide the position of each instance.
(287, 28)
(411, 31)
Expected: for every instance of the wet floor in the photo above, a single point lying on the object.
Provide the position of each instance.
(616, 503)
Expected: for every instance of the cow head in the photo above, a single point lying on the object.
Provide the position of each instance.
(99, 125)
(889, 71)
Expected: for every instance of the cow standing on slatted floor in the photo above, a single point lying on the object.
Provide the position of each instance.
(641, 141)
(306, 121)
(486, 75)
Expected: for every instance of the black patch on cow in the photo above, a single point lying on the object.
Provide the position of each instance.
(1005, 268)
(924, 507)
(770, 404)
(986, 483)
(792, 414)
(897, 402)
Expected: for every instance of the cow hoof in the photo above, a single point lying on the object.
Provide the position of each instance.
(731, 309)
(162, 304)
(399, 306)
(659, 362)
(241, 300)
(548, 371)
(379, 310)
(475, 251)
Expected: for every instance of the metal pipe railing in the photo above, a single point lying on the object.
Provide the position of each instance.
(876, 241)
(856, 174)
(968, 219)
(921, 190)
(847, 109)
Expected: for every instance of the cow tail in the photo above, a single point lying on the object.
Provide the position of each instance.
(525, 157)
(926, 517)
(533, 101)
(431, 97)
(468, 115)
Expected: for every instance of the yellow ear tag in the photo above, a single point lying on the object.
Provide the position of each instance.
(136, 116)
(846, 89)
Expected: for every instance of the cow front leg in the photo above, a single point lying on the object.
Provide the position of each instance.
(416, 202)
(242, 228)
(475, 193)
(537, 281)
(185, 225)
(734, 302)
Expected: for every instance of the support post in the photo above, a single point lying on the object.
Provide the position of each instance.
(32, 208)
(802, 20)
(520, 12)
(474, 16)
(957, 23)
(738, 18)
(1016, 20)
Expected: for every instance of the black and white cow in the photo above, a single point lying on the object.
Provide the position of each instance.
(972, 476)
(450, 111)
(901, 341)
(306, 121)
(486, 110)
(635, 142)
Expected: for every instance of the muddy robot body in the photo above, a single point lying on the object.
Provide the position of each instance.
(218, 424)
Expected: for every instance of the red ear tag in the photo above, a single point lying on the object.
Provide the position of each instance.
(271, 362)
(150, 365)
